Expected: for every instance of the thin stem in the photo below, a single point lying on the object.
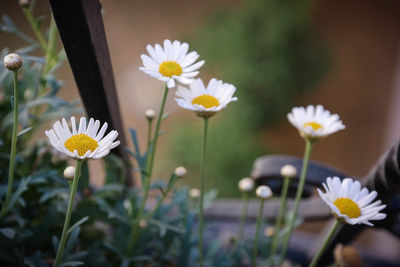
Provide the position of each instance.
(50, 53)
(13, 149)
(149, 170)
(256, 237)
(243, 215)
(35, 28)
(149, 127)
(326, 243)
(202, 189)
(279, 219)
(148, 215)
(299, 193)
(64, 234)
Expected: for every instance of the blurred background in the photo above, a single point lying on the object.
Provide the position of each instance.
(278, 55)
(341, 54)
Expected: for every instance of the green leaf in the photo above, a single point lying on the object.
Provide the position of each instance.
(8, 232)
(77, 224)
(22, 187)
(24, 131)
(55, 243)
(77, 256)
(164, 227)
(12, 101)
(39, 21)
(165, 115)
(71, 263)
(53, 193)
(72, 240)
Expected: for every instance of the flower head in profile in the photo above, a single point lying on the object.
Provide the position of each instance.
(84, 142)
(351, 204)
(205, 101)
(171, 62)
(315, 122)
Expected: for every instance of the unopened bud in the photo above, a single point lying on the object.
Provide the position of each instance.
(24, 3)
(269, 231)
(69, 173)
(28, 94)
(180, 172)
(194, 193)
(246, 184)
(150, 114)
(289, 171)
(143, 223)
(12, 61)
(263, 192)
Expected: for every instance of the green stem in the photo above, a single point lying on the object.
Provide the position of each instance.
(149, 170)
(256, 237)
(279, 219)
(299, 193)
(50, 53)
(35, 28)
(202, 189)
(13, 149)
(64, 234)
(148, 215)
(243, 216)
(326, 243)
(149, 127)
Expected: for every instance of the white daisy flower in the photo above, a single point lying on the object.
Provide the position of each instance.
(84, 142)
(171, 62)
(315, 122)
(205, 101)
(351, 204)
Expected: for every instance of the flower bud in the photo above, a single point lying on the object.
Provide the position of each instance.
(246, 184)
(28, 94)
(12, 61)
(69, 173)
(150, 114)
(289, 171)
(128, 206)
(24, 3)
(269, 231)
(143, 223)
(180, 172)
(194, 193)
(263, 192)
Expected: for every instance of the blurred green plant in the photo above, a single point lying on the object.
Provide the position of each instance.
(269, 50)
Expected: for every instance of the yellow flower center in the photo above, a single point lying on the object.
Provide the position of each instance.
(82, 143)
(207, 101)
(313, 125)
(347, 207)
(170, 68)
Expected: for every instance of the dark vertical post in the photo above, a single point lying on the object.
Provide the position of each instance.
(81, 29)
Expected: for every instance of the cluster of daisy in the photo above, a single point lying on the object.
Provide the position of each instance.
(349, 203)
(172, 63)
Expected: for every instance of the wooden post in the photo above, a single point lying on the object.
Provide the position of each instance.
(81, 29)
